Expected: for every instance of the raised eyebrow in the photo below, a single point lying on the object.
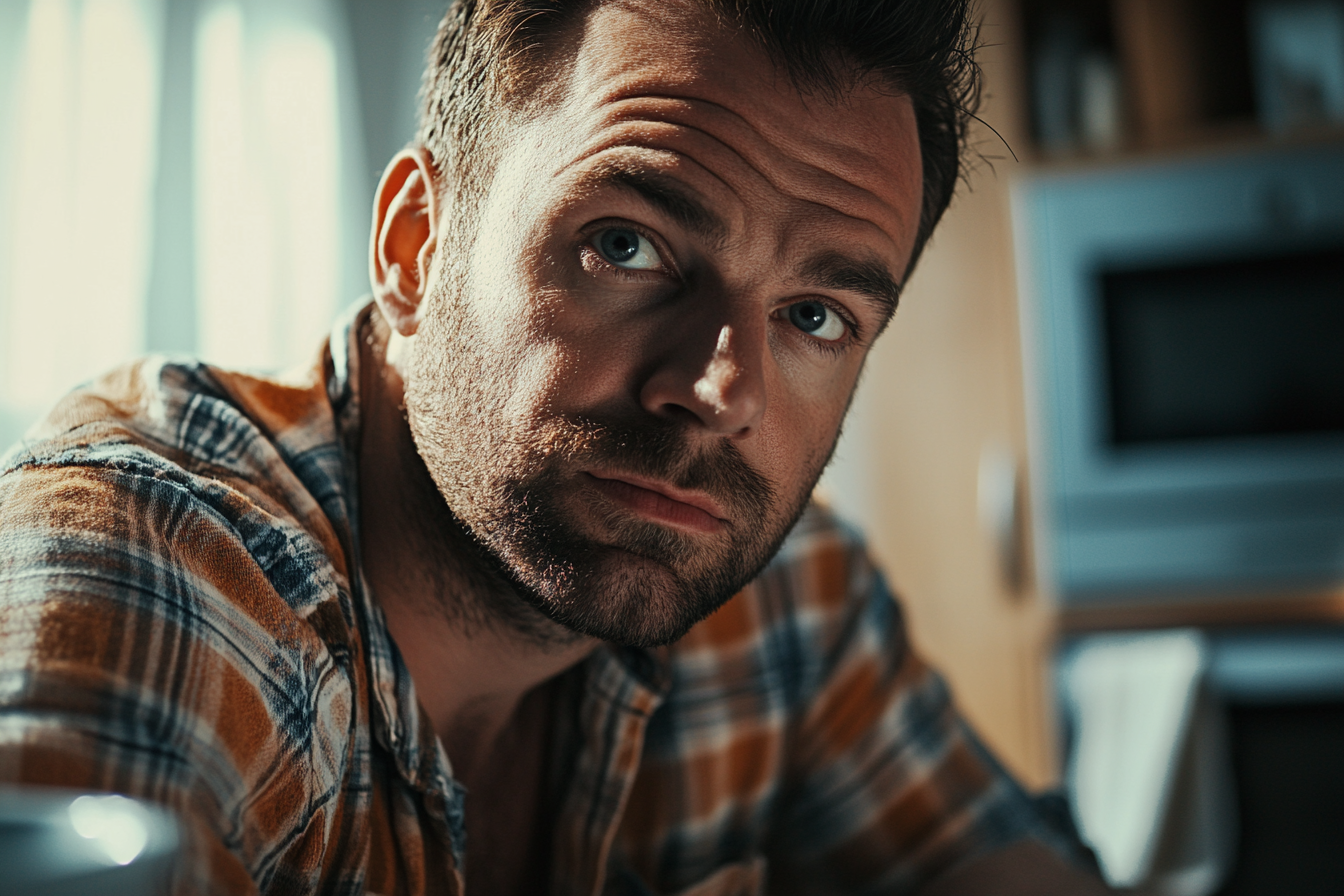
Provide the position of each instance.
(670, 196)
(868, 278)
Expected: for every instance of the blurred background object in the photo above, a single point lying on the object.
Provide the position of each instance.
(1149, 738)
(64, 843)
(1299, 62)
(1185, 318)
(1076, 93)
(1204, 761)
(1187, 321)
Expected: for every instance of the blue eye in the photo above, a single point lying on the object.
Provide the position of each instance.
(627, 249)
(817, 320)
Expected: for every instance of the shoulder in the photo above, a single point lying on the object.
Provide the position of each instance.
(155, 493)
(822, 575)
(162, 415)
(178, 445)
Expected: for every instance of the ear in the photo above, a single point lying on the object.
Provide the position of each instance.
(404, 237)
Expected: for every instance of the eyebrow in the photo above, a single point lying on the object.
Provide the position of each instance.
(868, 278)
(670, 197)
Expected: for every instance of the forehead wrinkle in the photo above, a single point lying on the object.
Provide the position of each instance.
(614, 137)
(868, 208)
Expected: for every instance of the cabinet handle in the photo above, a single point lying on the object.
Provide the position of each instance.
(998, 497)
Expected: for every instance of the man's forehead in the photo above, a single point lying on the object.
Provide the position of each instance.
(623, 56)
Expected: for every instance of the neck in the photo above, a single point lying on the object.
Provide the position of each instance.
(474, 648)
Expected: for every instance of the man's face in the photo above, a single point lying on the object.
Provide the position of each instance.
(627, 385)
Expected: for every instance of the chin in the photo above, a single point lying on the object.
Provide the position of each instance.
(630, 600)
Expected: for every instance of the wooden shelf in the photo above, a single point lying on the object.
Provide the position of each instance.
(1206, 142)
(1324, 607)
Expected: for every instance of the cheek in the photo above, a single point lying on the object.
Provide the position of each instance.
(534, 374)
(588, 377)
(564, 362)
(509, 325)
(804, 412)
(595, 346)
(793, 446)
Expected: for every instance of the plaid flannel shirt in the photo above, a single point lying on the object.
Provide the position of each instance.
(182, 619)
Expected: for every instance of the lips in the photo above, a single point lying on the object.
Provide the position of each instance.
(660, 501)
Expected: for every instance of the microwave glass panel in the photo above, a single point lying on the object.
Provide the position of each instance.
(1242, 348)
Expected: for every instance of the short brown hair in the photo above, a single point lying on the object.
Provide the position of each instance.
(488, 56)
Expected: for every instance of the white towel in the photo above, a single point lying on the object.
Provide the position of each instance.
(1148, 774)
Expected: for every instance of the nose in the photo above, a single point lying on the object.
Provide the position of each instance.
(721, 390)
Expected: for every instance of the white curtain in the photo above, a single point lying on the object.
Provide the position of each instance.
(268, 180)
(80, 135)
(181, 175)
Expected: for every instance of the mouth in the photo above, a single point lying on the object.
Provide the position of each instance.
(660, 501)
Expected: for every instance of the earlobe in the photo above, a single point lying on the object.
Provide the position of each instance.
(404, 238)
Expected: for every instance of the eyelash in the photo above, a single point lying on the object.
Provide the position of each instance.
(592, 258)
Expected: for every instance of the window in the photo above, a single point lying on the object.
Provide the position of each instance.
(186, 177)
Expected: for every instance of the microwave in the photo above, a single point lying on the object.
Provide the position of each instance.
(1183, 333)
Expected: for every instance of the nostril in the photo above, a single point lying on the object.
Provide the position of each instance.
(679, 413)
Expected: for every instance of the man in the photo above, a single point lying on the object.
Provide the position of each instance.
(443, 618)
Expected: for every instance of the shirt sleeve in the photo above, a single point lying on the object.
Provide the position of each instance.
(890, 787)
(123, 669)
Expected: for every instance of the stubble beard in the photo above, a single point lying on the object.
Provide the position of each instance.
(507, 483)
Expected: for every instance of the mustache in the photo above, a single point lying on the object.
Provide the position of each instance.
(664, 450)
